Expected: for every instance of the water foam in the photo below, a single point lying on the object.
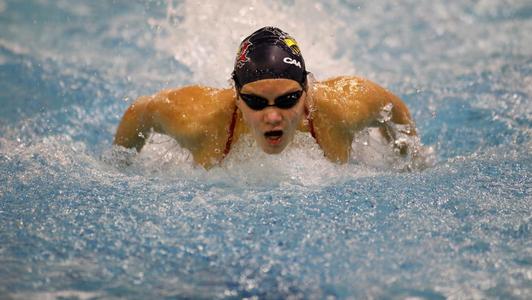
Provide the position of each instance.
(162, 227)
(302, 163)
(205, 36)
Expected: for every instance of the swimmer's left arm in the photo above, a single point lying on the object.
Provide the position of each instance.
(371, 105)
(376, 106)
(399, 115)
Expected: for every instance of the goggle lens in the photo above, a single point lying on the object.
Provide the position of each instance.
(284, 102)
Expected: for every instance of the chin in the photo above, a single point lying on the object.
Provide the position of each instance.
(273, 150)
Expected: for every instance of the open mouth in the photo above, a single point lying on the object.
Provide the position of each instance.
(274, 136)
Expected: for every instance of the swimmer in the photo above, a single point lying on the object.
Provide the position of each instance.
(271, 100)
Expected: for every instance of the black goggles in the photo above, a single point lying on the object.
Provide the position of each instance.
(285, 101)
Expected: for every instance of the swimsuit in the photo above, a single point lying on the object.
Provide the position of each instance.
(231, 131)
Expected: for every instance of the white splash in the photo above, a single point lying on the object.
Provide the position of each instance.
(205, 36)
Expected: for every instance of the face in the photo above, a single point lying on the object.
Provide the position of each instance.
(272, 127)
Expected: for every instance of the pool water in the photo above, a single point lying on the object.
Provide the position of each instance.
(81, 219)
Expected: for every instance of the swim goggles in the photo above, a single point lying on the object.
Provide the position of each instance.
(284, 101)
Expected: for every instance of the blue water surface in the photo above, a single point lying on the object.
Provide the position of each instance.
(77, 223)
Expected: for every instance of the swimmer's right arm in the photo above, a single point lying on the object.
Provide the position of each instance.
(135, 125)
(163, 113)
(187, 115)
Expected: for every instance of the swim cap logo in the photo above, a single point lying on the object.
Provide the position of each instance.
(292, 44)
(288, 60)
(242, 55)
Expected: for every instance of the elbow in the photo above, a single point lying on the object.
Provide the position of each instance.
(130, 140)
(132, 130)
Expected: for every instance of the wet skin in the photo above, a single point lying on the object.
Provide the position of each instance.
(199, 117)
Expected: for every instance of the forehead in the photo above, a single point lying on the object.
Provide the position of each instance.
(271, 86)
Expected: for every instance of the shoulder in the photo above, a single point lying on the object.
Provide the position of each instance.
(189, 112)
(349, 99)
(350, 86)
(194, 96)
(192, 101)
(337, 97)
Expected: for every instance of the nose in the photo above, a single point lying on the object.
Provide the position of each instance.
(272, 116)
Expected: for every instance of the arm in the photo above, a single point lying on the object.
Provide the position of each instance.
(135, 125)
(196, 117)
(394, 120)
(359, 103)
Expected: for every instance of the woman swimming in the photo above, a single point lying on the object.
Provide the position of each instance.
(271, 100)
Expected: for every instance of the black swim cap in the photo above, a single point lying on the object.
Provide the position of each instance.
(269, 53)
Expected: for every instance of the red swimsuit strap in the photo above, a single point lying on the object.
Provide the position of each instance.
(231, 132)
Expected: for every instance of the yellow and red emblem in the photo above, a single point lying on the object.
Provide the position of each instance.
(292, 44)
